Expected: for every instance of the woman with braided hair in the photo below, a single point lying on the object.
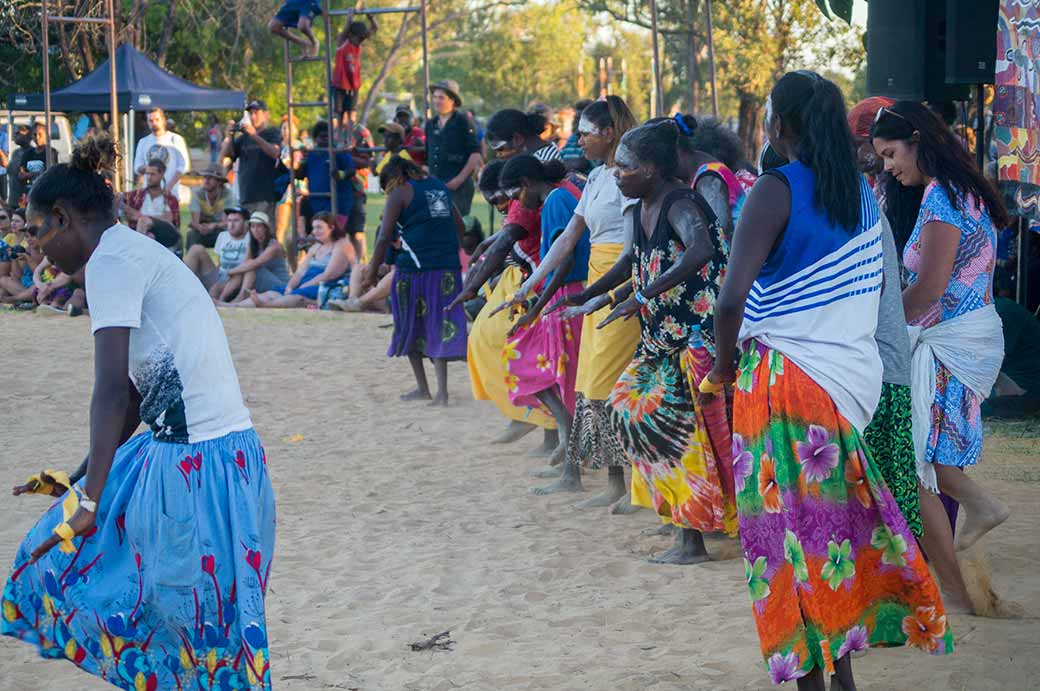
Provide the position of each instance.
(151, 570)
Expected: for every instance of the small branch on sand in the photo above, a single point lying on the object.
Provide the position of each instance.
(441, 641)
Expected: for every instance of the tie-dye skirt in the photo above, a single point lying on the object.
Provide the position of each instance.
(829, 561)
(166, 593)
(680, 449)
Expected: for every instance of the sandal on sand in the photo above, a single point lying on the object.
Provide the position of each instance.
(50, 311)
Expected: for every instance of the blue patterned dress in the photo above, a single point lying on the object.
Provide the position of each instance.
(955, 437)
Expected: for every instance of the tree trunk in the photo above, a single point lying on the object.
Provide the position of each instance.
(693, 69)
(749, 125)
(164, 41)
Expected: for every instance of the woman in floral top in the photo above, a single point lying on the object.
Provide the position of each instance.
(676, 255)
(950, 258)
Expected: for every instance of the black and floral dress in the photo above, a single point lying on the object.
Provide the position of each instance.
(682, 452)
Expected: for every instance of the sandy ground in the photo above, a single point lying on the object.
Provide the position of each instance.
(397, 522)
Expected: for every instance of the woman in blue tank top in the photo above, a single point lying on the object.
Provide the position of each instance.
(425, 230)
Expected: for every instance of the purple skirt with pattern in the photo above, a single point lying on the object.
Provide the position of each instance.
(421, 326)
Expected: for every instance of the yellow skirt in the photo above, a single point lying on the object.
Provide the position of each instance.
(487, 372)
(604, 353)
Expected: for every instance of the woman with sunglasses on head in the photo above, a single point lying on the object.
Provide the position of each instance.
(675, 252)
(958, 344)
(606, 352)
(151, 570)
(512, 253)
(830, 564)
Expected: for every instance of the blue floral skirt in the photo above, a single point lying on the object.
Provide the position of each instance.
(166, 593)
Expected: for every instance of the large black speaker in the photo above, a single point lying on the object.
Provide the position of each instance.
(930, 50)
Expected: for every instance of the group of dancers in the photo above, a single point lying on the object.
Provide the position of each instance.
(731, 347)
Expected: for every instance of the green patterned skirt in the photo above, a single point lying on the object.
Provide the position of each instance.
(891, 442)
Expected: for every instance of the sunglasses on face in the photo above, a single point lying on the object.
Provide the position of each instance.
(4, 217)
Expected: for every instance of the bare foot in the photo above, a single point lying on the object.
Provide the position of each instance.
(315, 48)
(440, 400)
(624, 506)
(608, 498)
(570, 481)
(665, 530)
(688, 549)
(957, 604)
(257, 299)
(515, 430)
(549, 471)
(417, 395)
(550, 442)
(979, 523)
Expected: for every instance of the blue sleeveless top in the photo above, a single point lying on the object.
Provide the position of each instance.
(810, 236)
(427, 229)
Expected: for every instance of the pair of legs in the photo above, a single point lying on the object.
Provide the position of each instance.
(841, 681)
(198, 260)
(422, 386)
(372, 300)
(307, 41)
(983, 512)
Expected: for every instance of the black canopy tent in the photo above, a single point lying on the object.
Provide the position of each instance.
(140, 85)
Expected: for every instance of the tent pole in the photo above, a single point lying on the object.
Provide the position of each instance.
(658, 96)
(131, 147)
(46, 45)
(113, 100)
(425, 65)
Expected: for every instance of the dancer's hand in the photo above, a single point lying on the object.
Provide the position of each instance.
(81, 523)
(525, 320)
(625, 310)
(515, 304)
(461, 298)
(45, 485)
(589, 307)
(572, 300)
(716, 377)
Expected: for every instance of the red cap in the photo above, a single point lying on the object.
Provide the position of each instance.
(861, 115)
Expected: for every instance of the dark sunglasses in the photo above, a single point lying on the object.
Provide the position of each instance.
(4, 217)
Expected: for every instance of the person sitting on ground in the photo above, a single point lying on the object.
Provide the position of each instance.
(265, 267)
(346, 75)
(299, 15)
(393, 139)
(153, 211)
(329, 260)
(18, 288)
(208, 204)
(58, 292)
(230, 246)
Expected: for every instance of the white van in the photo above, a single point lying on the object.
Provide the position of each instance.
(61, 131)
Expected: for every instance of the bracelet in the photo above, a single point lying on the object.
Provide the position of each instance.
(86, 503)
(639, 297)
(709, 387)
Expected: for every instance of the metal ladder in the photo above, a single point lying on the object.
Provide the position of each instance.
(330, 106)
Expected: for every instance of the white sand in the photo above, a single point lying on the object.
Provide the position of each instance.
(397, 522)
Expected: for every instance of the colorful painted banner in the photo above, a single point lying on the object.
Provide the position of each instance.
(1016, 109)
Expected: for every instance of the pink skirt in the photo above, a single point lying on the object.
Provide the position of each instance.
(544, 356)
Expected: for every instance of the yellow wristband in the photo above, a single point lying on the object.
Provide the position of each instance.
(66, 533)
(709, 387)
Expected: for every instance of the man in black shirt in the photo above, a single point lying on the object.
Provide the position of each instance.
(256, 148)
(16, 187)
(452, 151)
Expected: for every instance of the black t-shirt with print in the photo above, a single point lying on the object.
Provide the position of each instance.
(256, 168)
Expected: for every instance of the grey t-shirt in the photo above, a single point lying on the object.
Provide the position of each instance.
(891, 335)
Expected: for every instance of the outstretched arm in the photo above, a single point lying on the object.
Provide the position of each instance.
(490, 262)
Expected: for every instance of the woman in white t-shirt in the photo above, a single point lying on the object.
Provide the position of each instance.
(164, 540)
(607, 352)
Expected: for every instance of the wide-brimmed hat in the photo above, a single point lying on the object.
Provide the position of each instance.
(450, 87)
(214, 172)
(391, 127)
(260, 217)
